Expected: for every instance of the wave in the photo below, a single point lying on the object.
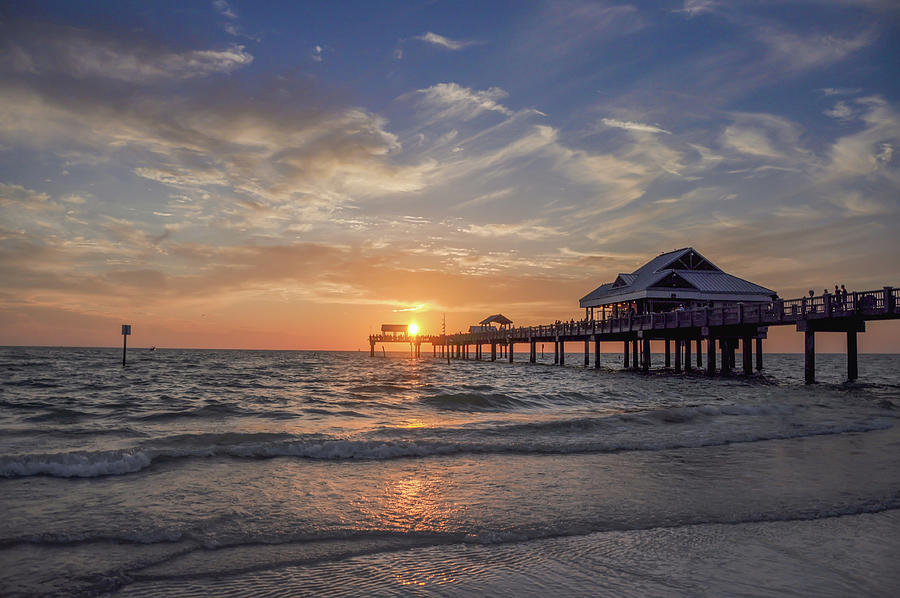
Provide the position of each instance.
(540, 440)
(474, 402)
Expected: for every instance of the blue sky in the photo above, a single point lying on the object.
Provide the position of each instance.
(225, 171)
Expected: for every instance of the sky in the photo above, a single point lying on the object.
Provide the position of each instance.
(291, 175)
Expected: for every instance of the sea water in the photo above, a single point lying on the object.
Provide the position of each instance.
(206, 473)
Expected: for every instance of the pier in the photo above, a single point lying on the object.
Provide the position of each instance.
(722, 329)
(682, 299)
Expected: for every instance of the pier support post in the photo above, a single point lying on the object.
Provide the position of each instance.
(555, 351)
(852, 365)
(533, 355)
(626, 355)
(678, 355)
(587, 352)
(668, 354)
(809, 356)
(726, 359)
(562, 352)
(371, 349)
(493, 351)
(646, 355)
(687, 355)
(759, 363)
(510, 351)
(747, 357)
(596, 352)
(635, 362)
(699, 355)
(732, 349)
(711, 356)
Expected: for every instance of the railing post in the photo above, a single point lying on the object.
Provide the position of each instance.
(826, 299)
(889, 305)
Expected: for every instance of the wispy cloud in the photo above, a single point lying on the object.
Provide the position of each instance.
(444, 42)
(633, 126)
(805, 51)
(419, 307)
(224, 9)
(85, 54)
(451, 100)
(696, 7)
(840, 111)
(530, 230)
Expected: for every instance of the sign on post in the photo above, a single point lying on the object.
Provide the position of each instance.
(126, 330)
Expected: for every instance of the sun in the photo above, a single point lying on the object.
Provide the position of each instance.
(413, 329)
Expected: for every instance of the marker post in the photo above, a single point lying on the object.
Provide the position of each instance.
(126, 330)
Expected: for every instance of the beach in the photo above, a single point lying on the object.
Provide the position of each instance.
(195, 472)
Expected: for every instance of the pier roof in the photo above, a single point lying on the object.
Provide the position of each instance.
(499, 318)
(684, 274)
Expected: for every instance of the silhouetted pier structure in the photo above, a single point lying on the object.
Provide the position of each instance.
(723, 329)
(683, 300)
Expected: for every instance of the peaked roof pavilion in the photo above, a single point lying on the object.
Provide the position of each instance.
(499, 318)
(680, 275)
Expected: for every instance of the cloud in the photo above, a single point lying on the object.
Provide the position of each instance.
(453, 101)
(869, 151)
(840, 111)
(633, 126)
(800, 52)
(271, 151)
(316, 54)
(224, 9)
(530, 230)
(696, 7)
(84, 54)
(444, 42)
(764, 136)
(419, 307)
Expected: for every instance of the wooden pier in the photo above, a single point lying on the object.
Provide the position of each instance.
(723, 329)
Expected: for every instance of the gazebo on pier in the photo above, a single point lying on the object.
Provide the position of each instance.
(678, 279)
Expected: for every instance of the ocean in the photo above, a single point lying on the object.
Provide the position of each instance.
(253, 473)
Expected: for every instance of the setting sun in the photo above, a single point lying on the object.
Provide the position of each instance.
(413, 329)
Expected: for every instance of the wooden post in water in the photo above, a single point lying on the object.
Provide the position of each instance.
(493, 351)
(562, 352)
(747, 358)
(587, 352)
(635, 362)
(699, 355)
(596, 351)
(371, 348)
(759, 359)
(646, 351)
(687, 355)
(726, 361)
(852, 366)
(668, 354)
(126, 330)
(711, 356)
(510, 351)
(626, 355)
(533, 354)
(809, 356)
(678, 355)
(555, 351)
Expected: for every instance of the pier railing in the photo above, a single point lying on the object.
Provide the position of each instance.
(876, 304)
